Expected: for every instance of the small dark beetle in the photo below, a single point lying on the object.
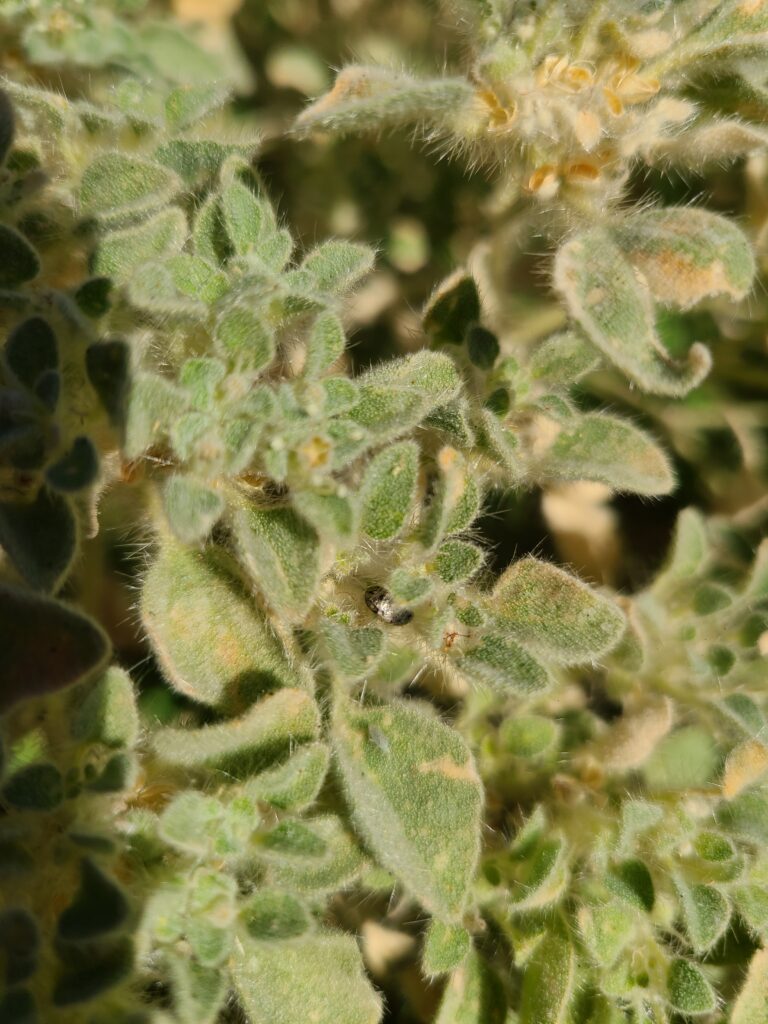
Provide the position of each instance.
(381, 604)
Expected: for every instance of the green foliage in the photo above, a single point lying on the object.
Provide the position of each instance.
(416, 796)
(367, 702)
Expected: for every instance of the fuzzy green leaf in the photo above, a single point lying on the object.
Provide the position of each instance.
(561, 360)
(542, 877)
(370, 97)
(335, 266)
(281, 982)
(198, 992)
(615, 310)
(610, 450)
(210, 235)
(555, 612)
(416, 797)
(458, 560)
(505, 665)
(685, 254)
(294, 785)
(196, 278)
(736, 28)
(353, 652)
(751, 1005)
(240, 747)
(191, 507)
(445, 947)
(688, 989)
(314, 856)
(116, 184)
(121, 252)
(332, 515)
(455, 500)
(528, 735)
(274, 914)
(213, 643)
(191, 822)
(190, 103)
(152, 287)
(606, 930)
(406, 587)
(689, 552)
(550, 980)
(243, 335)
(706, 912)
(325, 344)
(631, 881)
(388, 490)
(397, 395)
(249, 219)
(281, 551)
(751, 901)
(107, 713)
(686, 759)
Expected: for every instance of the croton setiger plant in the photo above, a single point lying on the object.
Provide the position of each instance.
(395, 776)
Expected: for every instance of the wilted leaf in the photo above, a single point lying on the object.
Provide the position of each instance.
(686, 254)
(615, 310)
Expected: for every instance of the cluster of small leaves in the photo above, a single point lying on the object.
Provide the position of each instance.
(564, 97)
(335, 531)
(637, 863)
(566, 130)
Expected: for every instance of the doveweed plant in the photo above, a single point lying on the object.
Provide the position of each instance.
(390, 775)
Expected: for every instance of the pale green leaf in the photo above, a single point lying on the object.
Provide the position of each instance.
(211, 639)
(318, 977)
(388, 490)
(555, 612)
(282, 553)
(610, 450)
(550, 980)
(416, 797)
